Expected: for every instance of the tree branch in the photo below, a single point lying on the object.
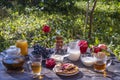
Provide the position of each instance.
(91, 19)
(86, 20)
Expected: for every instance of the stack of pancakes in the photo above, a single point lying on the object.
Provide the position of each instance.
(66, 68)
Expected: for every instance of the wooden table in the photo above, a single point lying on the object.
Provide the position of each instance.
(86, 73)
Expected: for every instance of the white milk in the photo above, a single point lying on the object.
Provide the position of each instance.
(74, 54)
(88, 61)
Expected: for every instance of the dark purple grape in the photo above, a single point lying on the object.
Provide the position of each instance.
(38, 50)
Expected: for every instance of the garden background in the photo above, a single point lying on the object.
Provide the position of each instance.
(24, 19)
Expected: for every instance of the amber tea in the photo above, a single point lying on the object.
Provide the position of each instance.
(13, 65)
(36, 67)
(100, 66)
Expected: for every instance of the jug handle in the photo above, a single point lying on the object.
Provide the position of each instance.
(28, 66)
(3, 53)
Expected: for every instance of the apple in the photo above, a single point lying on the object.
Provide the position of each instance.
(97, 49)
(102, 46)
(83, 46)
(50, 63)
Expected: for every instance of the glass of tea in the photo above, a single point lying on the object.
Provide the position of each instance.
(36, 65)
(101, 62)
(23, 45)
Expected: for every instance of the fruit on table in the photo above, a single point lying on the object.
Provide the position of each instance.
(102, 46)
(38, 50)
(83, 46)
(50, 63)
(97, 49)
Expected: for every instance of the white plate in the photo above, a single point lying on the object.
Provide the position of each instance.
(54, 70)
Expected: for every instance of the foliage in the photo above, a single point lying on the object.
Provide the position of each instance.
(20, 22)
(46, 5)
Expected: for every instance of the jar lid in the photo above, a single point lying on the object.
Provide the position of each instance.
(12, 47)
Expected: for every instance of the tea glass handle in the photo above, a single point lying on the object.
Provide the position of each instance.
(109, 61)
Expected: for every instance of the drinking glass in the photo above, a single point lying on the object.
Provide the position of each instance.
(101, 62)
(36, 64)
(23, 45)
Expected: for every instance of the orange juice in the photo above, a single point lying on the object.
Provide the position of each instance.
(23, 45)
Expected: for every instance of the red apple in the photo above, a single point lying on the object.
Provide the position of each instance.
(50, 63)
(96, 49)
(102, 46)
(83, 46)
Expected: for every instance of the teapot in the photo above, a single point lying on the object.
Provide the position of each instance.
(13, 60)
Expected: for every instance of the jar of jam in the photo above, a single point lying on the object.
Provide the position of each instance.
(59, 43)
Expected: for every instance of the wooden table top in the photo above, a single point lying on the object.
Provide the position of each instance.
(86, 73)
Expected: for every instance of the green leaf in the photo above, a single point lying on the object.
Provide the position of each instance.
(97, 41)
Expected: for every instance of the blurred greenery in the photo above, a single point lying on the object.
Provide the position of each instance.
(24, 19)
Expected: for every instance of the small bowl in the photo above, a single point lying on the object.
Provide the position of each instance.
(88, 60)
(58, 58)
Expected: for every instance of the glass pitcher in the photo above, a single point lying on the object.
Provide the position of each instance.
(73, 51)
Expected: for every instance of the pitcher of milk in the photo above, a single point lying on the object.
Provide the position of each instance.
(73, 51)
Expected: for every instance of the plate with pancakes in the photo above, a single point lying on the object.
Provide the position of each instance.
(66, 69)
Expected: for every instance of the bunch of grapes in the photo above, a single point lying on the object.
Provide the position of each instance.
(39, 50)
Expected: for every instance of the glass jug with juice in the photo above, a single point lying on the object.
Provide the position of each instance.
(23, 45)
